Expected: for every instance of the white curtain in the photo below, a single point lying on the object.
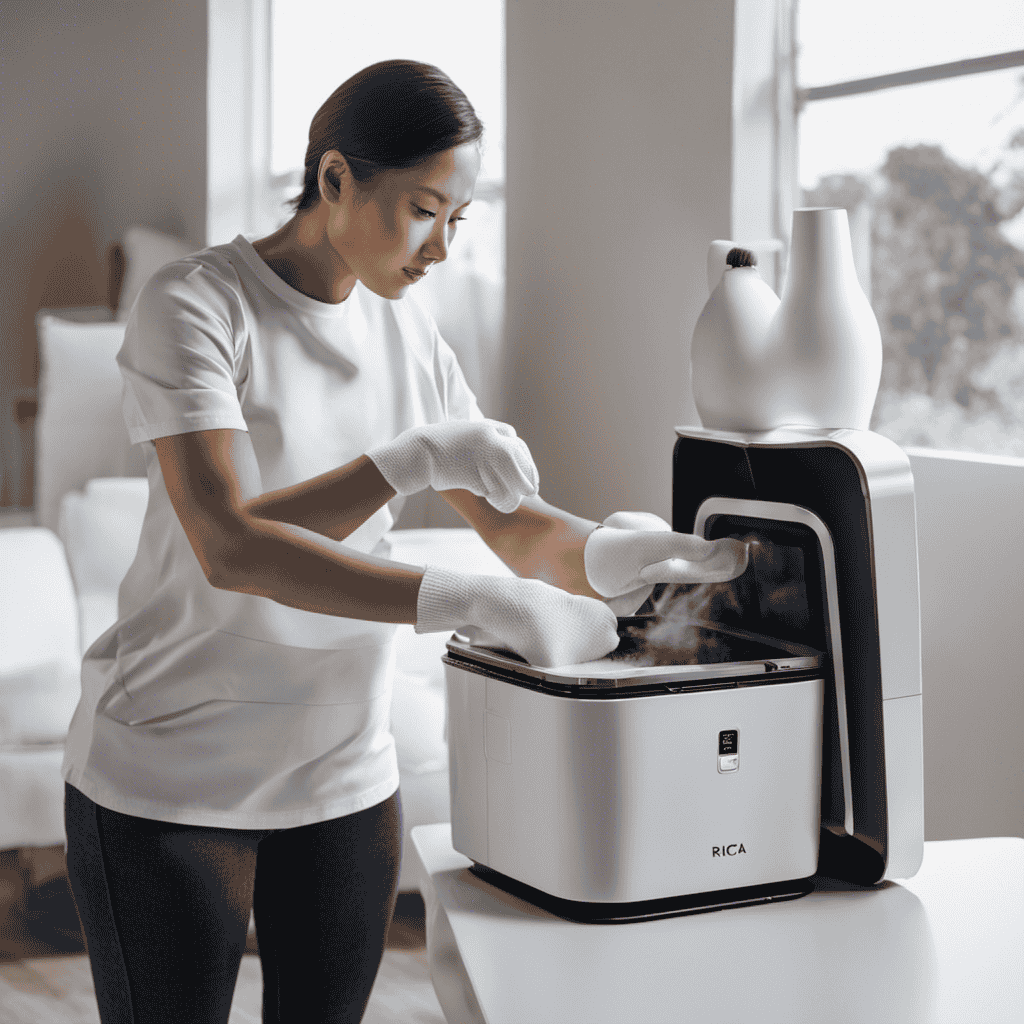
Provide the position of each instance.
(466, 296)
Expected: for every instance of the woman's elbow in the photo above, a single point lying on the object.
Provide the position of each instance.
(220, 555)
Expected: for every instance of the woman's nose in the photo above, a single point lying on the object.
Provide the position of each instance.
(437, 243)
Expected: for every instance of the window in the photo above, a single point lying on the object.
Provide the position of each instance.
(315, 45)
(318, 44)
(912, 118)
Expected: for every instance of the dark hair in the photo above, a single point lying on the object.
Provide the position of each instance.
(390, 115)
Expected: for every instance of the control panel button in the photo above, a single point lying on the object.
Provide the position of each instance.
(728, 762)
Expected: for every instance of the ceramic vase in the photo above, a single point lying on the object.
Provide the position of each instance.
(816, 362)
(728, 342)
(824, 347)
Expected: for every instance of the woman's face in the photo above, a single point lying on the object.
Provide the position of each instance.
(408, 221)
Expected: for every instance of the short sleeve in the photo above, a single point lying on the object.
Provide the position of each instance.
(180, 354)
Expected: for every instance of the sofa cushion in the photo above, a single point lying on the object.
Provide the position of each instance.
(80, 431)
(100, 529)
(32, 796)
(97, 612)
(37, 702)
(38, 611)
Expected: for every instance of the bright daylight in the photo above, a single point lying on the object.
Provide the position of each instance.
(933, 177)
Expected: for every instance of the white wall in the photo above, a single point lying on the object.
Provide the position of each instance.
(618, 176)
(102, 120)
(971, 549)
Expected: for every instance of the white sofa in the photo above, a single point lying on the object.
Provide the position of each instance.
(58, 591)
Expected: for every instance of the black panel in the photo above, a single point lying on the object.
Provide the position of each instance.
(645, 910)
(826, 480)
(701, 469)
(849, 858)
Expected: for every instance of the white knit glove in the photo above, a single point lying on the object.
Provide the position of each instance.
(632, 551)
(544, 624)
(481, 456)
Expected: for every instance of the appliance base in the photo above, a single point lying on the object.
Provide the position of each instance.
(646, 910)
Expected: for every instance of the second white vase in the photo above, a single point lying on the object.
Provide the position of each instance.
(822, 359)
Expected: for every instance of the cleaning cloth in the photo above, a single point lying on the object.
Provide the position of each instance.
(632, 551)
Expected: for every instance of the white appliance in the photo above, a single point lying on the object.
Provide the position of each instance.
(731, 752)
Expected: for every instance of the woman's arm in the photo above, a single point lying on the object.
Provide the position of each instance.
(212, 476)
(537, 540)
(333, 504)
(213, 481)
(485, 456)
(626, 561)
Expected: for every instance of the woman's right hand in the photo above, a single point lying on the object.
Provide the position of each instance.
(484, 457)
(544, 624)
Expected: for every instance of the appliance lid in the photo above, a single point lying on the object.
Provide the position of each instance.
(717, 656)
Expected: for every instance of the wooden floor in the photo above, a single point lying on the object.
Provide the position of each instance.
(45, 977)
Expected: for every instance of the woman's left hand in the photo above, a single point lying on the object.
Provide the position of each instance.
(635, 550)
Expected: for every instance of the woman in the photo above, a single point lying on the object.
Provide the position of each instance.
(231, 747)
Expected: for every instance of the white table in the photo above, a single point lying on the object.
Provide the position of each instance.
(944, 946)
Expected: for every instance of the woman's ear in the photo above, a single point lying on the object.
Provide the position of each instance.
(334, 175)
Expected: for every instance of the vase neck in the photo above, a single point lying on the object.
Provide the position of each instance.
(821, 247)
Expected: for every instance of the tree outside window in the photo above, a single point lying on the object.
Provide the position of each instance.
(932, 174)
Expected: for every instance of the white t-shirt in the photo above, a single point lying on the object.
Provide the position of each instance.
(210, 707)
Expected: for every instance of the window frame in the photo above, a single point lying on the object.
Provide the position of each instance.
(239, 101)
(860, 216)
(912, 76)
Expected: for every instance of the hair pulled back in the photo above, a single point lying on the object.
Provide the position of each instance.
(389, 116)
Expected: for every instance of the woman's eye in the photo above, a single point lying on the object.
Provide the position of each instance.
(430, 213)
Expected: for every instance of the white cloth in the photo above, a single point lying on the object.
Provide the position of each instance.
(629, 601)
(544, 624)
(639, 550)
(210, 707)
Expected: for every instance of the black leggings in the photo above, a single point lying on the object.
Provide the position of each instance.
(165, 910)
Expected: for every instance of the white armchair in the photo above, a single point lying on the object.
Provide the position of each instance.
(39, 684)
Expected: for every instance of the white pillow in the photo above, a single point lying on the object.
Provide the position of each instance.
(418, 705)
(38, 611)
(97, 612)
(146, 251)
(80, 431)
(37, 702)
(100, 530)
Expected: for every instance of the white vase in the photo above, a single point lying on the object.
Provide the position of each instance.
(727, 351)
(813, 359)
(823, 349)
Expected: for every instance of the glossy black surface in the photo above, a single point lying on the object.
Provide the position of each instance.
(687, 644)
